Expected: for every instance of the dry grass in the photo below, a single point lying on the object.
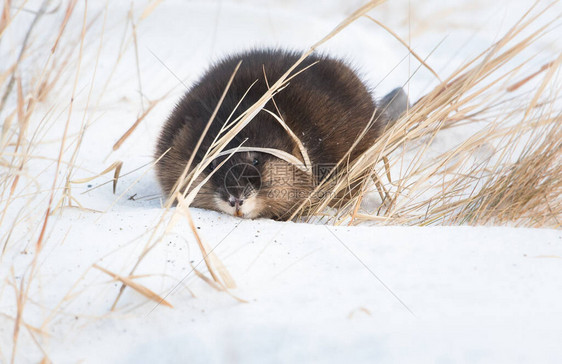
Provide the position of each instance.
(23, 201)
(519, 182)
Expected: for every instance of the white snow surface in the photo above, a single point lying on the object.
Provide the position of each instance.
(314, 293)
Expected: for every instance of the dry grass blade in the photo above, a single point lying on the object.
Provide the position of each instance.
(65, 133)
(22, 51)
(302, 149)
(129, 131)
(212, 262)
(306, 165)
(518, 84)
(215, 285)
(67, 14)
(287, 157)
(136, 48)
(67, 189)
(405, 45)
(116, 175)
(150, 8)
(5, 17)
(113, 167)
(20, 303)
(137, 287)
(387, 168)
(350, 19)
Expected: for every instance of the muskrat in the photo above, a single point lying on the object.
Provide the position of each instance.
(326, 106)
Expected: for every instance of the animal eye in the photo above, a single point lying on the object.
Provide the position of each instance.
(255, 162)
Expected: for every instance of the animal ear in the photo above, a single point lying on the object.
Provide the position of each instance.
(394, 104)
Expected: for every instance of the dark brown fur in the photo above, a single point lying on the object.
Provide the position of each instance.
(327, 106)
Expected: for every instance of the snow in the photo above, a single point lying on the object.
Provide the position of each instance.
(314, 293)
(453, 294)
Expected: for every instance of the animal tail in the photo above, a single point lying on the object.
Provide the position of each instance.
(394, 104)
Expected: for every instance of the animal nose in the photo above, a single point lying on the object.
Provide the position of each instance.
(235, 202)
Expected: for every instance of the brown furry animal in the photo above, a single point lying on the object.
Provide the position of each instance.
(327, 106)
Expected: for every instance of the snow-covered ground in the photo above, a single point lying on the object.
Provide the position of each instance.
(311, 292)
(319, 293)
